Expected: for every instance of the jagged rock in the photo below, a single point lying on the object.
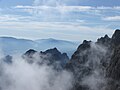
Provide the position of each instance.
(82, 65)
(114, 67)
(30, 53)
(104, 41)
(76, 57)
(116, 38)
(50, 56)
(29, 56)
(113, 73)
(109, 64)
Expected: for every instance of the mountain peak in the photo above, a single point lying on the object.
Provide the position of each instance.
(84, 45)
(116, 37)
(116, 33)
(53, 51)
(50, 56)
(30, 52)
(106, 36)
(86, 42)
(104, 40)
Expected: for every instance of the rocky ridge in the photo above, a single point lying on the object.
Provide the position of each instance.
(99, 60)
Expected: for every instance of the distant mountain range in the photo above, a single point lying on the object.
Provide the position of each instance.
(10, 45)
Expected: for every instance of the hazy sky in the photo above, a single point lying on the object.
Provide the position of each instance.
(60, 19)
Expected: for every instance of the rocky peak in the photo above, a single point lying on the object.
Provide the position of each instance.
(116, 38)
(51, 56)
(56, 56)
(84, 45)
(114, 65)
(104, 40)
(52, 51)
(109, 64)
(30, 52)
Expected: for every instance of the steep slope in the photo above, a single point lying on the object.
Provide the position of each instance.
(113, 73)
(95, 66)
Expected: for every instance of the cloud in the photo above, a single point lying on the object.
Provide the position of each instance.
(8, 18)
(60, 8)
(56, 2)
(17, 18)
(21, 75)
(65, 13)
(71, 8)
(47, 3)
(112, 18)
(59, 30)
(59, 13)
(64, 10)
(43, 17)
(117, 7)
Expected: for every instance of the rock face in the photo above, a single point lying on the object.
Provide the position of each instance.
(104, 41)
(97, 61)
(114, 66)
(116, 38)
(76, 65)
(84, 62)
(50, 56)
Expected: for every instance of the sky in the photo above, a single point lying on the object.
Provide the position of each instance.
(73, 20)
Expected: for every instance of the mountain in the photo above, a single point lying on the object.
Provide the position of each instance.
(96, 65)
(64, 46)
(10, 45)
(50, 57)
(51, 40)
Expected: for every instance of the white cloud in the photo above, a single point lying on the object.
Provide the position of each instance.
(56, 2)
(47, 2)
(50, 19)
(60, 12)
(57, 13)
(117, 7)
(63, 9)
(103, 8)
(21, 75)
(8, 17)
(68, 31)
(112, 18)
(59, 8)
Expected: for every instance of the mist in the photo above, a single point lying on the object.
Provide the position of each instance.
(20, 75)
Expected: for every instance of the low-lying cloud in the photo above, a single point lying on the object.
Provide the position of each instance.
(21, 75)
